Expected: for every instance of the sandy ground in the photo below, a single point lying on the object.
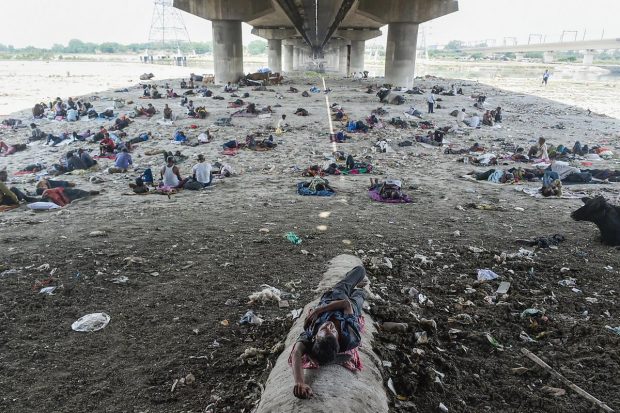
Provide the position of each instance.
(197, 250)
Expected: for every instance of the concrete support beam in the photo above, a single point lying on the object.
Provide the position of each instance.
(548, 57)
(588, 57)
(238, 10)
(295, 58)
(358, 49)
(400, 54)
(406, 11)
(227, 50)
(274, 55)
(287, 58)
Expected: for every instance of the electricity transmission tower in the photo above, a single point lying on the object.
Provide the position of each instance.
(168, 30)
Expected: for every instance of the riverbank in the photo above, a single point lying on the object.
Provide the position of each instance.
(192, 260)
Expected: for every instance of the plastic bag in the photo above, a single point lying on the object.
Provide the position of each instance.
(91, 322)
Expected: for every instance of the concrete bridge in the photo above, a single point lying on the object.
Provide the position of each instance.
(589, 46)
(303, 31)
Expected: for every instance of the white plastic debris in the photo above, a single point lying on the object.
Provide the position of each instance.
(91, 322)
(486, 275)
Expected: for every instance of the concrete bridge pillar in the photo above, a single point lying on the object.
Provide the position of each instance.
(343, 59)
(588, 57)
(287, 58)
(274, 55)
(400, 53)
(358, 49)
(548, 57)
(274, 42)
(227, 50)
(358, 45)
(295, 58)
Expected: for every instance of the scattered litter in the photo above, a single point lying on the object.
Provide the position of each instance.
(486, 275)
(8, 273)
(47, 290)
(91, 322)
(283, 304)
(531, 312)
(294, 238)
(295, 314)
(231, 301)
(388, 262)
(526, 338)
(267, 294)
(615, 330)
(250, 318)
(568, 282)
(386, 363)
(503, 288)
(120, 280)
(554, 391)
(97, 234)
(494, 342)
(475, 250)
(443, 408)
(225, 323)
(421, 337)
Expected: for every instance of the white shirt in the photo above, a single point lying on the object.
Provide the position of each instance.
(542, 151)
(431, 98)
(460, 117)
(170, 178)
(202, 171)
(72, 115)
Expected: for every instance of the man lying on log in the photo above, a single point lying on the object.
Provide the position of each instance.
(331, 331)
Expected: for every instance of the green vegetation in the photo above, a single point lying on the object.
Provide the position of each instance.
(76, 46)
(256, 47)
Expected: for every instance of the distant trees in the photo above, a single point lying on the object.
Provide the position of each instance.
(455, 45)
(256, 47)
(76, 46)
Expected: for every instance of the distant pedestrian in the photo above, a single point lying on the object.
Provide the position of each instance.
(546, 77)
(431, 102)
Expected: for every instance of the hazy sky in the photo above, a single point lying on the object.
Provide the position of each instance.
(45, 22)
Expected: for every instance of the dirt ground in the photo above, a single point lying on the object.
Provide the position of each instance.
(193, 260)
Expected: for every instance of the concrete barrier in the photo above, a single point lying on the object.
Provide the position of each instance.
(335, 388)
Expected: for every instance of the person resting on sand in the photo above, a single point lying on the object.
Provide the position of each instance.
(35, 133)
(106, 145)
(12, 196)
(390, 189)
(6, 150)
(170, 174)
(331, 330)
(552, 186)
(540, 150)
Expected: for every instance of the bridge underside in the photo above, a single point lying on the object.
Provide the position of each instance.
(303, 31)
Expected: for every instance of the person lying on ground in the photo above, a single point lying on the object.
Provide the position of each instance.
(121, 123)
(55, 139)
(63, 196)
(74, 162)
(414, 112)
(389, 189)
(170, 175)
(330, 329)
(44, 184)
(6, 150)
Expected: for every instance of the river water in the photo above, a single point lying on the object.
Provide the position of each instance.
(22, 83)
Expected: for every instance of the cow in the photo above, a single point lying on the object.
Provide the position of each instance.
(605, 216)
(389, 97)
